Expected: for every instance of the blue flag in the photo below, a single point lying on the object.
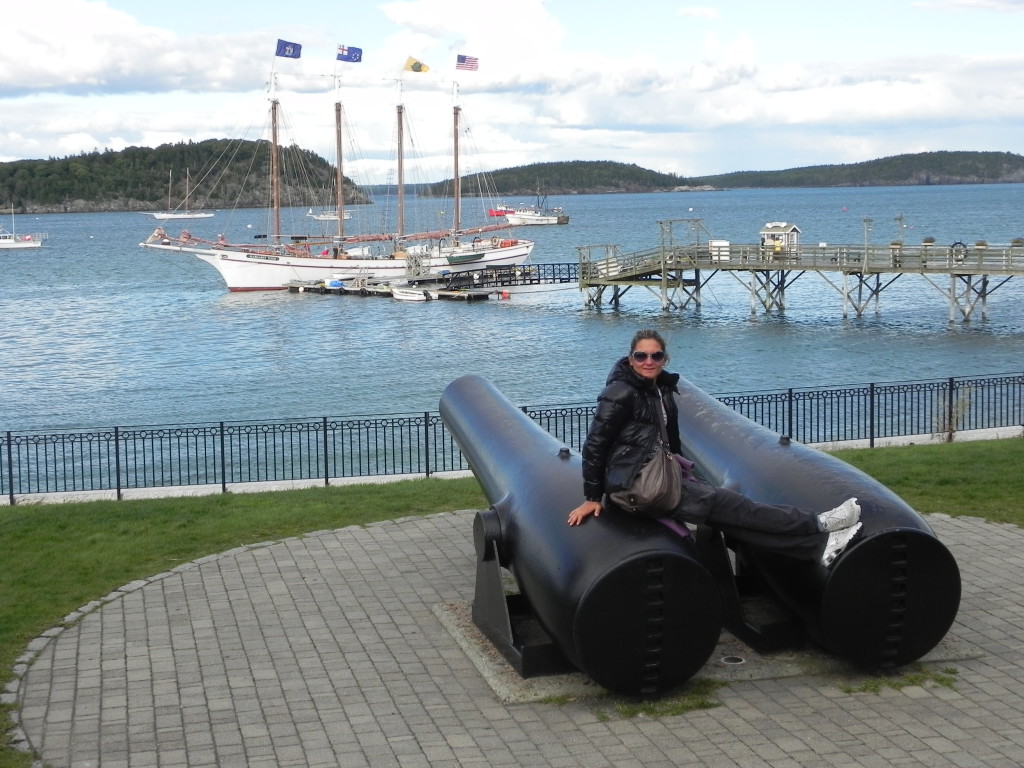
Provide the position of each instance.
(349, 53)
(288, 50)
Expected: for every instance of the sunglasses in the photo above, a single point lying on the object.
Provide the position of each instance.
(641, 357)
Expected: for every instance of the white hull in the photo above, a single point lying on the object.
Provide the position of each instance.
(520, 219)
(267, 271)
(170, 216)
(10, 242)
(410, 294)
(329, 216)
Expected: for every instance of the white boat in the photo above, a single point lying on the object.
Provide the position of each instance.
(402, 293)
(281, 260)
(183, 213)
(539, 213)
(522, 216)
(329, 215)
(10, 241)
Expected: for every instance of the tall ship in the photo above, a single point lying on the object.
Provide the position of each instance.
(277, 259)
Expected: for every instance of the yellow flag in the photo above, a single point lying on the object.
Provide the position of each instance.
(415, 65)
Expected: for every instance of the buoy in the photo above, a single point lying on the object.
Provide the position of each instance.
(504, 295)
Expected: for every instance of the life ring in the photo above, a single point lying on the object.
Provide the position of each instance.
(495, 241)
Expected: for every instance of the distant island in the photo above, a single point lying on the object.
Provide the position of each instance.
(137, 178)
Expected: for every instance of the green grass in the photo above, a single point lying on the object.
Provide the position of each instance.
(916, 675)
(980, 478)
(55, 558)
(694, 694)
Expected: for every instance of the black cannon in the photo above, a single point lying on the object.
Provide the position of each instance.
(624, 600)
(895, 591)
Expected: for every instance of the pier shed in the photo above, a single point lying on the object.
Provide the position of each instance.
(780, 237)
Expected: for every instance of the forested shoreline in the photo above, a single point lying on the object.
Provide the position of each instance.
(225, 174)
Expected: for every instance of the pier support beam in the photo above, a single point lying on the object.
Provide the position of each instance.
(768, 288)
(965, 293)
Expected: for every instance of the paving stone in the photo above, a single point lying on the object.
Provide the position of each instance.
(340, 648)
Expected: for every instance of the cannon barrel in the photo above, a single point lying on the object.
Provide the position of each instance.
(624, 599)
(889, 598)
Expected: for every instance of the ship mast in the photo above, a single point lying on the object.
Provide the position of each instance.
(401, 174)
(339, 178)
(457, 219)
(275, 174)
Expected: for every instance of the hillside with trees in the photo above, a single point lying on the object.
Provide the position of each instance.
(898, 170)
(581, 177)
(226, 174)
(220, 174)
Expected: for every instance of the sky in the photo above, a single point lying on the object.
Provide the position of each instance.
(678, 87)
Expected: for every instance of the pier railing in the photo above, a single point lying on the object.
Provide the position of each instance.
(227, 454)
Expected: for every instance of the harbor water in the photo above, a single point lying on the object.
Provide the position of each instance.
(98, 332)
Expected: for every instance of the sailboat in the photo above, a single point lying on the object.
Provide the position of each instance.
(282, 260)
(10, 241)
(184, 212)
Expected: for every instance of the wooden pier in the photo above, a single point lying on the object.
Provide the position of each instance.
(965, 274)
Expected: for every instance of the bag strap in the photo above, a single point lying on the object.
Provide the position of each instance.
(664, 418)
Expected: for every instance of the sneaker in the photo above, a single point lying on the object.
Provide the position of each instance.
(837, 542)
(843, 516)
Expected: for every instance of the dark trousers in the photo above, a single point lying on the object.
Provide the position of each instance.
(788, 530)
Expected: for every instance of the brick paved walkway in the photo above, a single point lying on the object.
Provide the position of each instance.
(325, 650)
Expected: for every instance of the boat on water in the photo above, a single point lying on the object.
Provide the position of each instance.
(11, 241)
(179, 213)
(279, 260)
(329, 215)
(538, 213)
(410, 293)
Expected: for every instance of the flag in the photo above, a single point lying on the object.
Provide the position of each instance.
(414, 65)
(466, 62)
(288, 50)
(349, 53)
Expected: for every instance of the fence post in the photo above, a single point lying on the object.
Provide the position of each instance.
(426, 442)
(223, 463)
(10, 468)
(117, 461)
(327, 469)
(789, 413)
(871, 415)
(950, 412)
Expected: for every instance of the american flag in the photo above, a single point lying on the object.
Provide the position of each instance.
(466, 62)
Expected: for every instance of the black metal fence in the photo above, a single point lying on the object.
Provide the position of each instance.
(228, 453)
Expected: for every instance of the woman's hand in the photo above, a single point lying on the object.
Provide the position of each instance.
(583, 511)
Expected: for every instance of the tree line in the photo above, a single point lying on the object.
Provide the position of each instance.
(218, 173)
(222, 174)
(582, 177)
(899, 170)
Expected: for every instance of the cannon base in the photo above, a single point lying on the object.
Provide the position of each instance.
(748, 612)
(509, 622)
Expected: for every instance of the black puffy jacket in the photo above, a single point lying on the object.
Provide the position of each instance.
(625, 431)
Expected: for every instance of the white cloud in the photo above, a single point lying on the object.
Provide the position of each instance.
(699, 12)
(763, 85)
(1003, 6)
